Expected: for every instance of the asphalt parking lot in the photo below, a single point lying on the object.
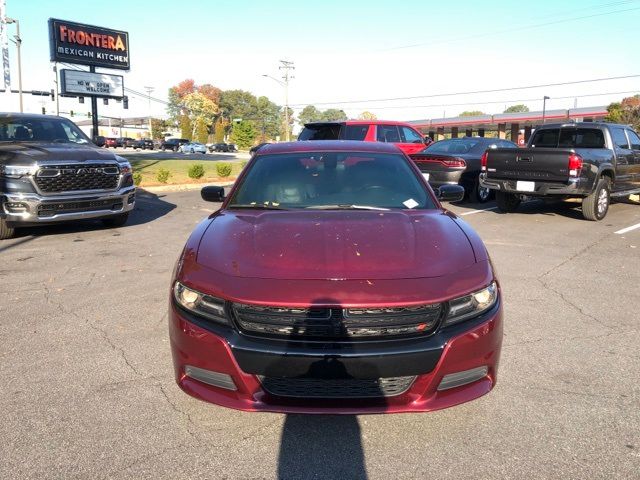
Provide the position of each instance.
(89, 390)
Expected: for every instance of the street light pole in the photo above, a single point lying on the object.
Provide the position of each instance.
(149, 92)
(18, 41)
(286, 66)
(544, 107)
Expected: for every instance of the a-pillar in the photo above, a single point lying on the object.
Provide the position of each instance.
(454, 132)
(469, 132)
(502, 130)
(515, 131)
(481, 132)
(432, 134)
(440, 134)
(527, 133)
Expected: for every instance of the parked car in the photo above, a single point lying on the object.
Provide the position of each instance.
(403, 135)
(232, 147)
(124, 142)
(218, 147)
(99, 140)
(457, 161)
(143, 144)
(330, 281)
(193, 147)
(110, 142)
(173, 144)
(592, 161)
(51, 172)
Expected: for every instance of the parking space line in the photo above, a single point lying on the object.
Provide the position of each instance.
(628, 229)
(477, 211)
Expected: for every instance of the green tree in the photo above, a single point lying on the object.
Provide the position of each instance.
(185, 126)
(219, 130)
(520, 108)
(471, 113)
(627, 112)
(309, 114)
(158, 127)
(334, 114)
(243, 134)
(238, 104)
(201, 130)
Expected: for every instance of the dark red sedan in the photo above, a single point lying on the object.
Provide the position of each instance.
(331, 280)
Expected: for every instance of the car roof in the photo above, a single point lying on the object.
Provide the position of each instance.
(328, 146)
(359, 122)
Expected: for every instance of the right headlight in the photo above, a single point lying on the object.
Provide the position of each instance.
(471, 305)
(201, 304)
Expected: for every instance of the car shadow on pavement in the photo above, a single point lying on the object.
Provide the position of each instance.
(149, 207)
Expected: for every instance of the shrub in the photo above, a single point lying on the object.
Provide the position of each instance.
(196, 170)
(137, 178)
(223, 169)
(163, 175)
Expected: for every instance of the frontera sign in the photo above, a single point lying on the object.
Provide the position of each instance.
(88, 45)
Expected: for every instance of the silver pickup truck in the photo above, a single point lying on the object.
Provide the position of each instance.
(51, 172)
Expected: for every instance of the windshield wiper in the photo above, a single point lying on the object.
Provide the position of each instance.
(346, 206)
(257, 206)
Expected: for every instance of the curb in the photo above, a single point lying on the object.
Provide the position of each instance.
(183, 187)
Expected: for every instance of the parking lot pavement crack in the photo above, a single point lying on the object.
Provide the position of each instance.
(573, 257)
(142, 459)
(579, 309)
(255, 433)
(181, 412)
(581, 394)
(570, 339)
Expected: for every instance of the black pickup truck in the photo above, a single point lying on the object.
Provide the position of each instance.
(50, 172)
(593, 161)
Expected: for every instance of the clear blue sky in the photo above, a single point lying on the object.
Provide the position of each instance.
(349, 50)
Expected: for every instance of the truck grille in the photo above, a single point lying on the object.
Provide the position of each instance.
(336, 388)
(337, 323)
(77, 177)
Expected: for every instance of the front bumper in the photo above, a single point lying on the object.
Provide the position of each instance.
(573, 187)
(35, 209)
(470, 345)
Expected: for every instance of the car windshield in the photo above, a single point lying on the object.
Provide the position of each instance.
(453, 145)
(331, 180)
(40, 129)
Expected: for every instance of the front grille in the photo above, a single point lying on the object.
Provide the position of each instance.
(77, 177)
(338, 323)
(50, 209)
(336, 388)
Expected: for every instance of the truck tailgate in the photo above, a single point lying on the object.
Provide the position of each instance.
(533, 164)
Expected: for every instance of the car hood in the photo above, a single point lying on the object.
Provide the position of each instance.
(334, 245)
(28, 153)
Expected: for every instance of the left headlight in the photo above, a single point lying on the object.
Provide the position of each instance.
(471, 305)
(13, 171)
(201, 304)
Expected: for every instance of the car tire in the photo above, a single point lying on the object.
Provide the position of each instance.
(507, 202)
(175, 149)
(116, 220)
(6, 231)
(596, 205)
(162, 148)
(479, 193)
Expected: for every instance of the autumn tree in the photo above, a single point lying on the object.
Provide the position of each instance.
(158, 127)
(520, 108)
(626, 112)
(366, 115)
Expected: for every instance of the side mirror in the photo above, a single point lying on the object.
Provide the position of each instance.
(212, 194)
(427, 140)
(450, 193)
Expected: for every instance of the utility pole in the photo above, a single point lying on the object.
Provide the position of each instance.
(149, 92)
(544, 107)
(4, 45)
(287, 67)
(57, 91)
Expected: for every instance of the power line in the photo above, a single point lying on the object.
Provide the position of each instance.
(505, 101)
(493, 90)
(515, 29)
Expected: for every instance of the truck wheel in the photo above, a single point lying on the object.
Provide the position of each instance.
(6, 231)
(596, 205)
(116, 220)
(479, 193)
(507, 202)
